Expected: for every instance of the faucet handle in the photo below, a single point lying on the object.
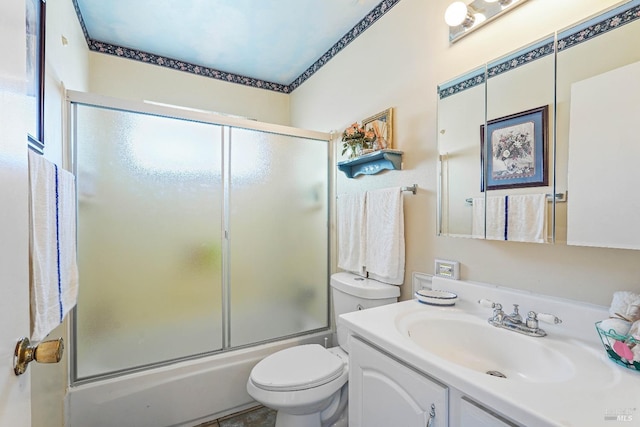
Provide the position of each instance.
(533, 318)
(549, 318)
(490, 304)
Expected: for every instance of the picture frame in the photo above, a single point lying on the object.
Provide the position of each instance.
(35, 16)
(517, 152)
(382, 125)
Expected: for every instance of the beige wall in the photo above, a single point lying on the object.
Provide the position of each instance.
(128, 79)
(399, 63)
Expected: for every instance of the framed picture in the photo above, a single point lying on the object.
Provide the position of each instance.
(35, 28)
(382, 125)
(517, 152)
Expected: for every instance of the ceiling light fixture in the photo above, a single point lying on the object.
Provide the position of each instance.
(463, 18)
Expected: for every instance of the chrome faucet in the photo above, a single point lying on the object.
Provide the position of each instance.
(515, 316)
(514, 321)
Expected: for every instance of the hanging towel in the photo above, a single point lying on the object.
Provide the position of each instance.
(351, 240)
(384, 249)
(527, 218)
(495, 224)
(54, 272)
(477, 218)
(497, 218)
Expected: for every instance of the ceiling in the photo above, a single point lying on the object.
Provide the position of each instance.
(271, 44)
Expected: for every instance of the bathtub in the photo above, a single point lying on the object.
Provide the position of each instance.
(183, 394)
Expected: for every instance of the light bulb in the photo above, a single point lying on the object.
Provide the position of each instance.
(479, 18)
(455, 14)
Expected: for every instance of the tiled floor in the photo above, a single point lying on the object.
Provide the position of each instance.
(256, 417)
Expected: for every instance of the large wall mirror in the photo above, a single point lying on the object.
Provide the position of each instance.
(598, 85)
(512, 146)
(496, 146)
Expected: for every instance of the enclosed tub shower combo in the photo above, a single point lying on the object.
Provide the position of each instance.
(203, 247)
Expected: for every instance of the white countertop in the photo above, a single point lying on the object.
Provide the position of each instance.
(597, 388)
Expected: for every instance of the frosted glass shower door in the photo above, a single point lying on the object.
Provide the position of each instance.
(149, 239)
(278, 236)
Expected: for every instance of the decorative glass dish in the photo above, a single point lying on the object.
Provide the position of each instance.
(618, 347)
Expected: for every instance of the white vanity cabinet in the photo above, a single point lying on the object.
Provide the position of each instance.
(407, 356)
(384, 392)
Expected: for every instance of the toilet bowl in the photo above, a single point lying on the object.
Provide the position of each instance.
(308, 384)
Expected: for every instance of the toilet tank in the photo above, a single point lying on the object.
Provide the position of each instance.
(351, 292)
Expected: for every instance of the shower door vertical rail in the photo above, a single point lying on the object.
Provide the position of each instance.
(226, 275)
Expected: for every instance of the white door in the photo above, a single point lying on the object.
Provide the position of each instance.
(15, 401)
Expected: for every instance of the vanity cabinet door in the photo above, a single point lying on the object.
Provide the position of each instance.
(384, 392)
(473, 415)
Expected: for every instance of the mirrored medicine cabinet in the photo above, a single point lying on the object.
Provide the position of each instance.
(512, 145)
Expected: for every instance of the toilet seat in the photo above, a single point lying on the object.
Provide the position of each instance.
(297, 368)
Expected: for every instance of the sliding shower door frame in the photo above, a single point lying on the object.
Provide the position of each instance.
(227, 124)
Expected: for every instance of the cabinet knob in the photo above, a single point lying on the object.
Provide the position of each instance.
(432, 415)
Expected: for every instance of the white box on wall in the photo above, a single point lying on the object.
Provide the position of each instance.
(448, 269)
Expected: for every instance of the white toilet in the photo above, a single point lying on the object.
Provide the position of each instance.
(307, 384)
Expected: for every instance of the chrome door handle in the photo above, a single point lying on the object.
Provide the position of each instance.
(45, 352)
(432, 416)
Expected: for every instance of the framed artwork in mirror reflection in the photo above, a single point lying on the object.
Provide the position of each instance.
(517, 150)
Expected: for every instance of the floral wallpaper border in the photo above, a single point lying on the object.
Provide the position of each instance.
(383, 7)
(377, 12)
(598, 28)
(566, 40)
(521, 59)
(467, 83)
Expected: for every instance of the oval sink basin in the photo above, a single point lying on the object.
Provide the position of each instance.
(476, 345)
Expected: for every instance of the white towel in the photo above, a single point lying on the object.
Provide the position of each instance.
(477, 218)
(527, 218)
(351, 240)
(496, 218)
(384, 247)
(626, 303)
(54, 272)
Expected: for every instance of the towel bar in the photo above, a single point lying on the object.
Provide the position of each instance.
(560, 197)
(412, 188)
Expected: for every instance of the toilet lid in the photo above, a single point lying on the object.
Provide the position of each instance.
(297, 368)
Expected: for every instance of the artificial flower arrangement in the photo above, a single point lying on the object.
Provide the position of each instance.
(515, 149)
(356, 139)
